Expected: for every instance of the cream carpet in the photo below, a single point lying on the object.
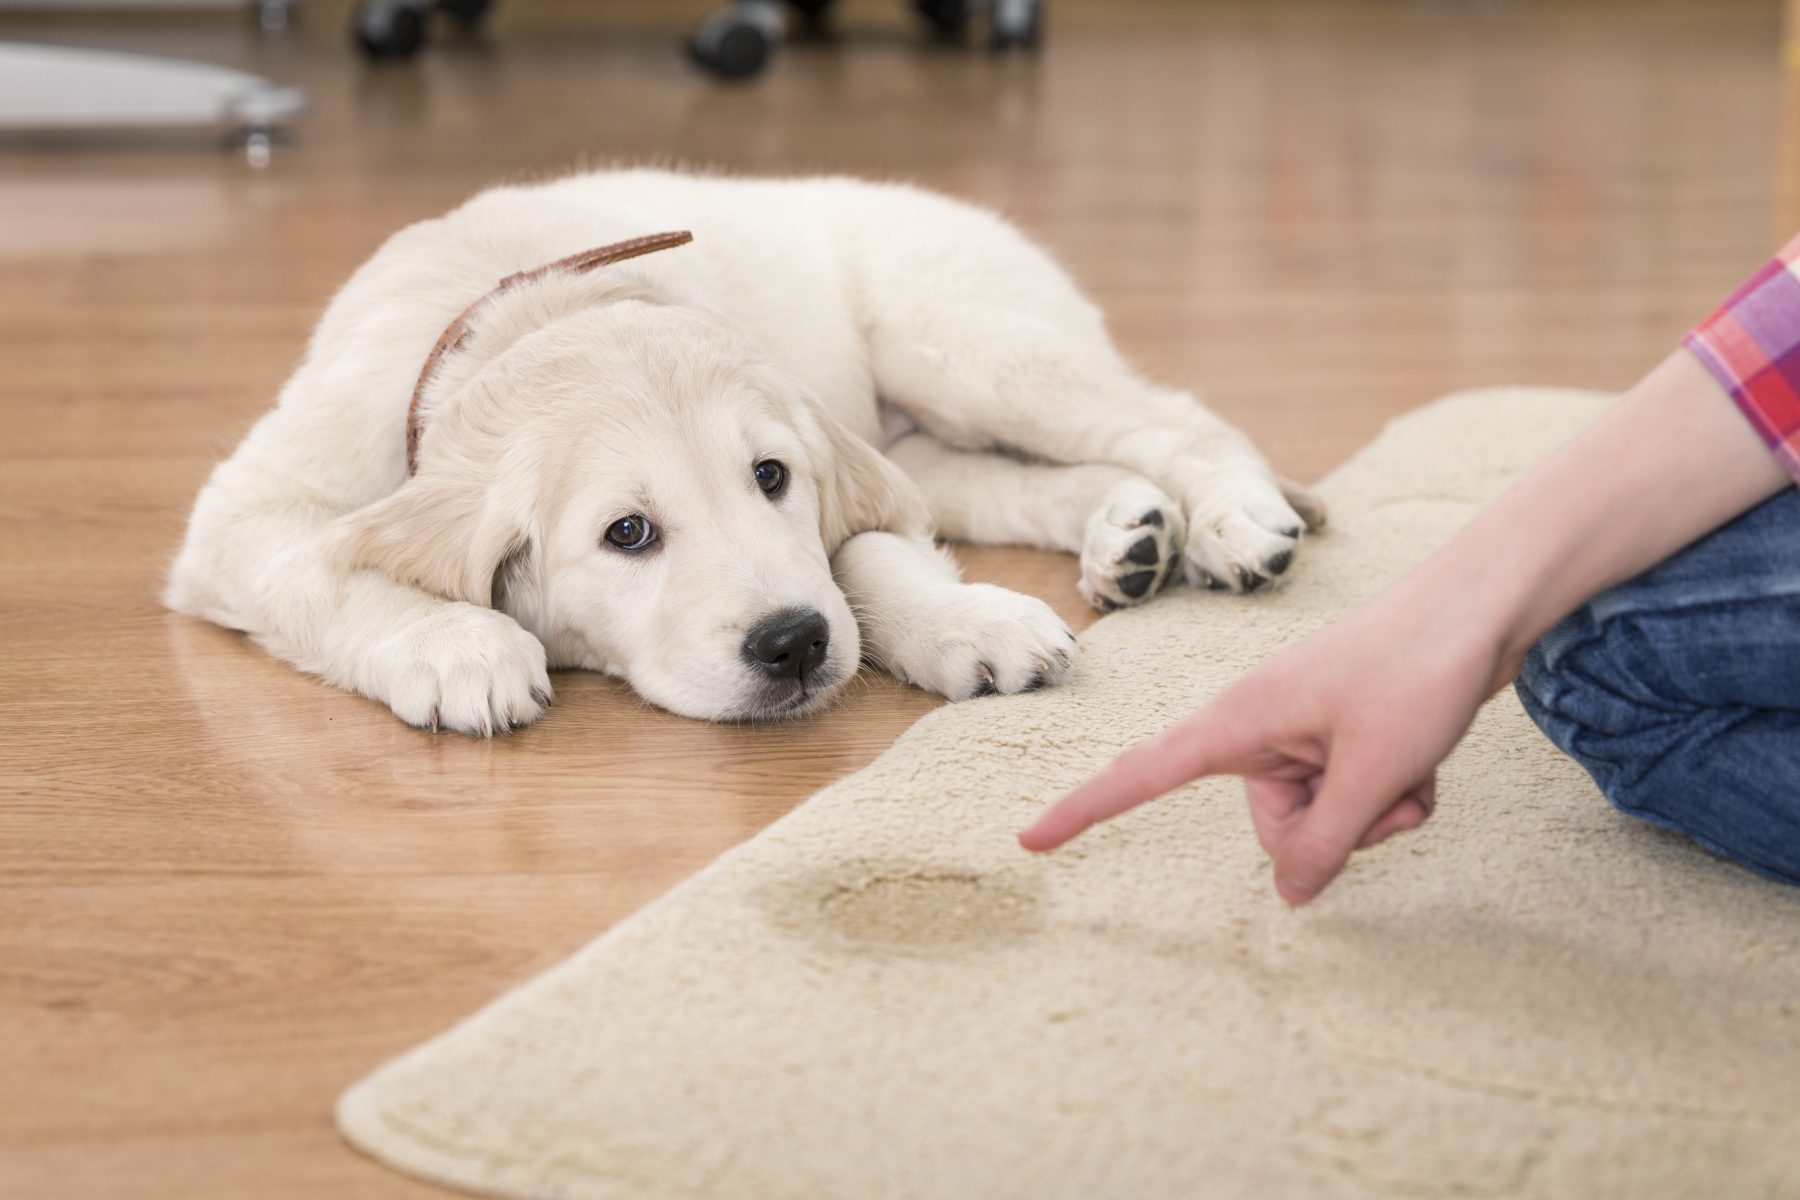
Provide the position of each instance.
(882, 996)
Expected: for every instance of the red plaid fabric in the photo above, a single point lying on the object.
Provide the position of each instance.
(1752, 346)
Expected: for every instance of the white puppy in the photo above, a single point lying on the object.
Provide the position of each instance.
(667, 468)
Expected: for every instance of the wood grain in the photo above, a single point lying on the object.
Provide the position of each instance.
(227, 891)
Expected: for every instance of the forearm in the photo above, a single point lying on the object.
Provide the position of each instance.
(1671, 461)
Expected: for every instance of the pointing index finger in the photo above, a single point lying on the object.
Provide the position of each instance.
(1179, 753)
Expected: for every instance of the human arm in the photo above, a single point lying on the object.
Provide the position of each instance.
(1339, 737)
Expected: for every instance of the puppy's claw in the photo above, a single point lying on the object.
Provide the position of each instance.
(984, 675)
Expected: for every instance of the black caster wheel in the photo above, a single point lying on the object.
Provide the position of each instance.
(1017, 25)
(948, 19)
(387, 30)
(736, 43)
(466, 13)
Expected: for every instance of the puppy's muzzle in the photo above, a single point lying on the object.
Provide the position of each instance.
(790, 644)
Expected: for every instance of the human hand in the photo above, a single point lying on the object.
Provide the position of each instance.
(1338, 738)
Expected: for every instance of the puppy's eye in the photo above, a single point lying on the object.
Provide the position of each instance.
(631, 533)
(771, 477)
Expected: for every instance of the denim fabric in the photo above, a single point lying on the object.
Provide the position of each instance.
(1679, 690)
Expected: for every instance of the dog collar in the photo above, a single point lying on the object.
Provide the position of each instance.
(458, 331)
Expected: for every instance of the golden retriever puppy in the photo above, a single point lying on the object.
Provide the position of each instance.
(712, 470)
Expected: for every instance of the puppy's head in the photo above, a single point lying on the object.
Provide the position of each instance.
(635, 484)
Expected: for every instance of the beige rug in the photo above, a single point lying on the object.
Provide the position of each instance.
(882, 996)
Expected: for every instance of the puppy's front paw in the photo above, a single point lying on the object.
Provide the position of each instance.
(465, 668)
(976, 639)
(1242, 533)
(1132, 543)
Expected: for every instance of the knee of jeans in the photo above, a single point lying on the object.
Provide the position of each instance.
(1586, 685)
(1561, 665)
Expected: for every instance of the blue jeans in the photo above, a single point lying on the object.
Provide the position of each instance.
(1679, 690)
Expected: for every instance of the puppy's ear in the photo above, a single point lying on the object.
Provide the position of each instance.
(861, 489)
(441, 535)
(1303, 501)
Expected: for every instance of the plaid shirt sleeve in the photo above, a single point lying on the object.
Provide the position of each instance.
(1752, 346)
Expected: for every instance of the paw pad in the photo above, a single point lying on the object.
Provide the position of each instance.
(1137, 584)
(1145, 553)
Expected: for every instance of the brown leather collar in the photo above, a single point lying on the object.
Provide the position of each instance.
(459, 329)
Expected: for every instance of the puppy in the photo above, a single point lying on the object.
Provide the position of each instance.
(666, 461)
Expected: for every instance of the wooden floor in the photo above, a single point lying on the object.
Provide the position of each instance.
(227, 891)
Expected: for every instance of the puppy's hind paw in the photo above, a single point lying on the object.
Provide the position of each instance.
(1243, 534)
(1132, 545)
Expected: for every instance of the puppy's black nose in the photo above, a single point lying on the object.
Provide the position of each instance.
(788, 643)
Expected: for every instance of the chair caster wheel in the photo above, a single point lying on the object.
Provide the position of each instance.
(259, 146)
(737, 42)
(1017, 25)
(384, 29)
